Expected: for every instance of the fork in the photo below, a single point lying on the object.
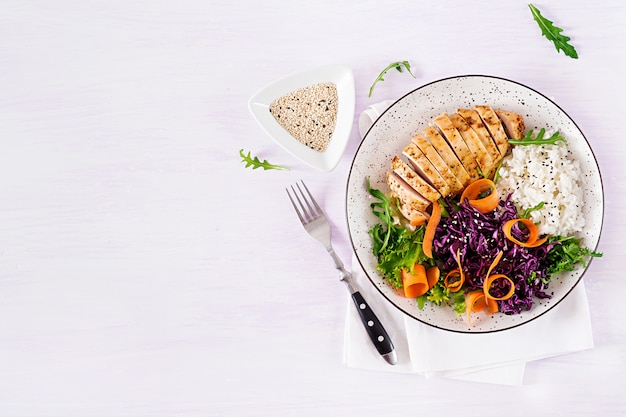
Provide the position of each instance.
(316, 224)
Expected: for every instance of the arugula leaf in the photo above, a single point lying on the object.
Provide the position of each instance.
(526, 213)
(397, 65)
(256, 162)
(496, 175)
(395, 247)
(529, 139)
(553, 33)
(567, 254)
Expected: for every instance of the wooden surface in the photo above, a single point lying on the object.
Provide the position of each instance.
(145, 272)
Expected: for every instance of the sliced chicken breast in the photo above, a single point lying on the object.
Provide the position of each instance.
(473, 119)
(448, 155)
(493, 124)
(420, 163)
(513, 123)
(439, 163)
(475, 145)
(458, 145)
(419, 184)
(410, 203)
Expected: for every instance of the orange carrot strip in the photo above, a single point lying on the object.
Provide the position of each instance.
(492, 305)
(431, 227)
(490, 280)
(494, 263)
(533, 233)
(473, 191)
(432, 275)
(415, 283)
(457, 284)
(474, 301)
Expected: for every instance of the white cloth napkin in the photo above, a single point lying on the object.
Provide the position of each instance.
(498, 358)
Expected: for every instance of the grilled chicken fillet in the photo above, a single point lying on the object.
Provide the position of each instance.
(448, 155)
(513, 123)
(458, 145)
(410, 203)
(412, 178)
(475, 145)
(439, 163)
(492, 121)
(475, 122)
(422, 165)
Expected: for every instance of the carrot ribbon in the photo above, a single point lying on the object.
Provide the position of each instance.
(480, 300)
(455, 279)
(431, 227)
(532, 240)
(475, 194)
(419, 281)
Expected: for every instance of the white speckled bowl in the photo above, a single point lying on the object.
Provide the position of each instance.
(393, 130)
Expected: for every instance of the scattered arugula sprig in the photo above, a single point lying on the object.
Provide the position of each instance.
(256, 162)
(553, 33)
(400, 65)
(529, 139)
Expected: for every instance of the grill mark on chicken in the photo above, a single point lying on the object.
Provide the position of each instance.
(475, 145)
(493, 124)
(448, 155)
(425, 168)
(412, 178)
(458, 145)
(438, 162)
(473, 119)
(410, 203)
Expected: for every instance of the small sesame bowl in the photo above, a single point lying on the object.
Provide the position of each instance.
(309, 114)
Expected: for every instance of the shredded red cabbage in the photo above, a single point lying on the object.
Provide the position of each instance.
(479, 238)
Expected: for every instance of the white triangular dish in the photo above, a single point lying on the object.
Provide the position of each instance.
(343, 78)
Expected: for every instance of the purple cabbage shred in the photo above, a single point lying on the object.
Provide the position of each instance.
(479, 238)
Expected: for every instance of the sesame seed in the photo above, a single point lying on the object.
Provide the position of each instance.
(317, 104)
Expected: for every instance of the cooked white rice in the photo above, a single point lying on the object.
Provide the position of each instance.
(548, 174)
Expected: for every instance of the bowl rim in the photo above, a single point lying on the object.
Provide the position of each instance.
(593, 158)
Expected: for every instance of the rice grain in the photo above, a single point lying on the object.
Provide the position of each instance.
(548, 174)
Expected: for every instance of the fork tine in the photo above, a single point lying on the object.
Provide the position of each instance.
(311, 214)
(293, 203)
(312, 199)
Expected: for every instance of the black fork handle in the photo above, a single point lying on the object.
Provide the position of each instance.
(375, 329)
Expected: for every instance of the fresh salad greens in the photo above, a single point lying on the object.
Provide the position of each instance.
(256, 162)
(553, 33)
(538, 139)
(567, 254)
(400, 66)
(394, 245)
